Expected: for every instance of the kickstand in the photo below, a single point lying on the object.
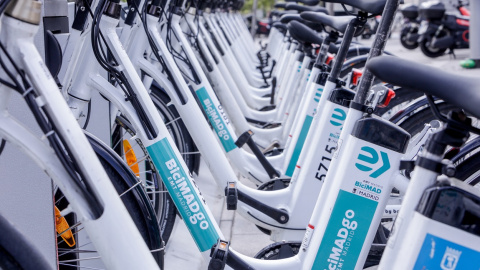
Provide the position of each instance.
(452, 53)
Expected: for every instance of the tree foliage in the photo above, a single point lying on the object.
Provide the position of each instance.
(265, 5)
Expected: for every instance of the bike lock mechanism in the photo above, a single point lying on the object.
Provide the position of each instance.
(219, 253)
(454, 134)
(221, 256)
(233, 195)
(246, 137)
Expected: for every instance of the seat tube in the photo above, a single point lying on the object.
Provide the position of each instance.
(356, 195)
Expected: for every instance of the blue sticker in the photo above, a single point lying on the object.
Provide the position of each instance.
(438, 253)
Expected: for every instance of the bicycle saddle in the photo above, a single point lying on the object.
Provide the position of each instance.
(291, 17)
(280, 5)
(374, 7)
(280, 26)
(338, 23)
(281, 13)
(301, 8)
(458, 90)
(303, 33)
(305, 2)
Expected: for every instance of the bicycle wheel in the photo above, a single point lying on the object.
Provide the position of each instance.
(16, 252)
(468, 167)
(136, 156)
(414, 122)
(75, 250)
(176, 127)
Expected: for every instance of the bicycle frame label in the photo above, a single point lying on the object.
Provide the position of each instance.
(311, 111)
(184, 193)
(217, 118)
(438, 253)
(345, 232)
(299, 145)
(329, 138)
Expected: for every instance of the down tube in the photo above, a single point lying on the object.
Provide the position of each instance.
(184, 192)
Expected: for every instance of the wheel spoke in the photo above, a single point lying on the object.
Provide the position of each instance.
(79, 230)
(69, 229)
(82, 259)
(75, 250)
(84, 267)
(172, 121)
(132, 187)
(156, 192)
(118, 142)
(59, 199)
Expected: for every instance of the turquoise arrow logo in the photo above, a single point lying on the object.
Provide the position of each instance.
(372, 158)
(339, 115)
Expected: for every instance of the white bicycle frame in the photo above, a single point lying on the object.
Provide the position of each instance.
(296, 132)
(303, 193)
(204, 229)
(126, 252)
(283, 113)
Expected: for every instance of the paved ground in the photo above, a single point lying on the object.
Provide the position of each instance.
(245, 237)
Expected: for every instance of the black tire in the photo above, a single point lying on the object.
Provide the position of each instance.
(469, 169)
(135, 200)
(408, 44)
(414, 123)
(346, 69)
(403, 96)
(428, 50)
(16, 252)
(361, 50)
(160, 200)
(162, 203)
(177, 128)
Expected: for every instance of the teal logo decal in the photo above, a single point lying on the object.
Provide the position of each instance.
(345, 233)
(318, 94)
(181, 187)
(339, 115)
(215, 118)
(298, 147)
(368, 187)
(372, 158)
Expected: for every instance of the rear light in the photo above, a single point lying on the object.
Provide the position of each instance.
(386, 99)
(329, 58)
(356, 75)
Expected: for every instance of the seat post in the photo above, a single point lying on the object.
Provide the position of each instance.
(378, 46)
(352, 27)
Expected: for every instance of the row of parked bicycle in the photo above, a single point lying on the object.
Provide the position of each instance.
(335, 152)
